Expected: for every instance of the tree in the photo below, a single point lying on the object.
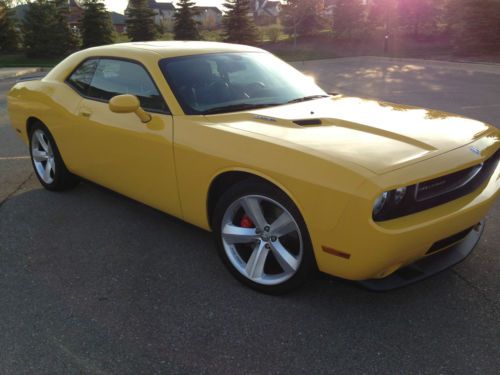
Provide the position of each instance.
(349, 16)
(95, 26)
(185, 27)
(383, 13)
(9, 37)
(302, 17)
(237, 23)
(63, 36)
(140, 21)
(478, 27)
(37, 29)
(417, 15)
(46, 29)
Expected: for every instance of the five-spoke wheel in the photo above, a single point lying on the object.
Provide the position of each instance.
(262, 237)
(43, 156)
(47, 162)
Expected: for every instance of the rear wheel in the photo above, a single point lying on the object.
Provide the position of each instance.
(47, 162)
(262, 238)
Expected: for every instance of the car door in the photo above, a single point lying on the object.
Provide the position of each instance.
(118, 150)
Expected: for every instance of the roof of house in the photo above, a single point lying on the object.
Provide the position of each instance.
(272, 4)
(117, 18)
(20, 11)
(268, 4)
(215, 9)
(153, 4)
(74, 3)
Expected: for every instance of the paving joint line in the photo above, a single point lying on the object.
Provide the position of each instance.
(19, 187)
(473, 286)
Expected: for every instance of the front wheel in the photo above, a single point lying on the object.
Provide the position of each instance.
(262, 238)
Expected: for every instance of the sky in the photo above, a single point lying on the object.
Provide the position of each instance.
(120, 5)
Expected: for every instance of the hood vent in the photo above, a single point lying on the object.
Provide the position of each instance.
(308, 122)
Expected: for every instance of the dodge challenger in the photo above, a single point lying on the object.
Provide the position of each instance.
(290, 179)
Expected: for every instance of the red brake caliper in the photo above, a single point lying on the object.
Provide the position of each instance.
(246, 222)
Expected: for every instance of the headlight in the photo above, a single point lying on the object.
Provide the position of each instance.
(390, 203)
(380, 203)
(399, 194)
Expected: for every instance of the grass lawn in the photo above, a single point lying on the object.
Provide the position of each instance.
(317, 47)
(325, 46)
(21, 61)
(299, 53)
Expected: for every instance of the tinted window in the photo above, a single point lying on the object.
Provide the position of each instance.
(116, 77)
(82, 76)
(202, 83)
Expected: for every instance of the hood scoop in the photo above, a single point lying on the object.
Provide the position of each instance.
(308, 122)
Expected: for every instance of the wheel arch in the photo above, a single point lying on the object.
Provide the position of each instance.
(30, 122)
(228, 178)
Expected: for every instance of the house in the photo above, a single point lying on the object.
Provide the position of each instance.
(118, 21)
(329, 7)
(209, 17)
(164, 13)
(76, 14)
(265, 11)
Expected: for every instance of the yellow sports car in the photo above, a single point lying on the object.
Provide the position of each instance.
(289, 179)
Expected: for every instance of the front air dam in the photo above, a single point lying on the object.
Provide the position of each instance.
(428, 266)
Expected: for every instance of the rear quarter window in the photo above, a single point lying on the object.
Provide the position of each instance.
(81, 78)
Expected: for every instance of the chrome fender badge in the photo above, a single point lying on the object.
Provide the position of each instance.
(264, 118)
(475, 150)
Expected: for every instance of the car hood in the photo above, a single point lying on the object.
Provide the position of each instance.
(376, 135)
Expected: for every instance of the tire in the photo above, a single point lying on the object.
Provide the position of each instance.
(47, 161)
(262, 238)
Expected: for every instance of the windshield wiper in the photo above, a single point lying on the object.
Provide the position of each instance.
(306, 98)
(237, 107)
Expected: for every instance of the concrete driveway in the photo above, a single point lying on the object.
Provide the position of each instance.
(92, 282)
(468, 89)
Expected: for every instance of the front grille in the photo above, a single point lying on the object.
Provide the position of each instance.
(445, 242)
(444, 189)
(455, 185)
(442, 185)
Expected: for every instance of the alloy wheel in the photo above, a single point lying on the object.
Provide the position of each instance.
(43, 156)
(262, 239)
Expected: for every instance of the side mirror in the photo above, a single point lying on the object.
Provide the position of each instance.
(128, 104)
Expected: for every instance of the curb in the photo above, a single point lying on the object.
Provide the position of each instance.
(6, 73)
(490, 68)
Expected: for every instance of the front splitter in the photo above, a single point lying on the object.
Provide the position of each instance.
(428, 266)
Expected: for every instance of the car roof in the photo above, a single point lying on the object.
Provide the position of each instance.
(176, 48)
(145, 52)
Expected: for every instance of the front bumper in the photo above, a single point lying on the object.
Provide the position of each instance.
(369, 250)
(428, 266)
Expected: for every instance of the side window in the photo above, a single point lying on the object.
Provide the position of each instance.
(82, 76)
(116, 77)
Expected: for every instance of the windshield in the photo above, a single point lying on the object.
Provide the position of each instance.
(227, 82)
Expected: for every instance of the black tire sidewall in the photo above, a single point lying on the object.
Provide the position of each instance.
(63, 179)
(251, 187)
